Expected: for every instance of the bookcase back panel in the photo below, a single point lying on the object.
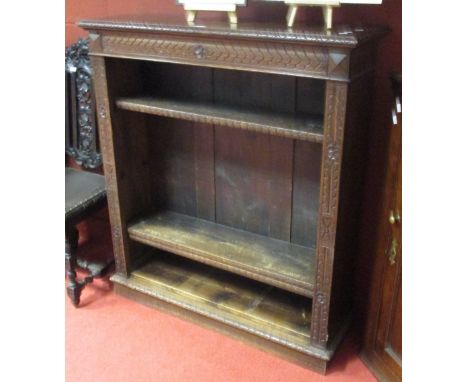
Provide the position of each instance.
(254, 182)
(173, 164)
(177, 81)
(262, 183)
(305, 196)
(233, 87)
(246, 180)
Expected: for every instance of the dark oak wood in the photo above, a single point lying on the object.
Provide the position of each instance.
(239, 301)
(253, 182)
(316, 363)
(81, 138)
(339, 36)
(335, 109)
(267, 48)
(272, 261)
(382, 349)
(305, 193)
(306, 128)
(209, 154)
(353, 166)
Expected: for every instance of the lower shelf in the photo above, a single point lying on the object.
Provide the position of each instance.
(253, 307)
(278, 263)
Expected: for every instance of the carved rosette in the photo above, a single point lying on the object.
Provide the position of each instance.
(335, 109)
(77, 63)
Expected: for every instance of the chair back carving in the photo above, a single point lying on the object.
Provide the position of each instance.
(81, 139)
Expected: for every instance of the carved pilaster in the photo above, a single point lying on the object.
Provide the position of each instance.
(107, 148)
(335, 109)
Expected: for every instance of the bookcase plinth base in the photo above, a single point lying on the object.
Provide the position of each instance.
(318, 364)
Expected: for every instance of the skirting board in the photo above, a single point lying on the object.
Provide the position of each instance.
(294, 356)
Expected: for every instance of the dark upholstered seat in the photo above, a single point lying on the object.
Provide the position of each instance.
(83, 190)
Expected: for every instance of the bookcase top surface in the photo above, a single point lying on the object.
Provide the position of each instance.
(345, 36)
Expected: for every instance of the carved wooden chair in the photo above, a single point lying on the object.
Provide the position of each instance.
(85, 192)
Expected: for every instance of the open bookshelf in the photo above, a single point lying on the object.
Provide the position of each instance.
(224, 176)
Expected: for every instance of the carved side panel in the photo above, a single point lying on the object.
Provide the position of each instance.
(107, 148)
(238, 54)
(83, 143)
(335, 110)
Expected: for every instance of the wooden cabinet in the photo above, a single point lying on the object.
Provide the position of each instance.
(383, 343)
(233, 162)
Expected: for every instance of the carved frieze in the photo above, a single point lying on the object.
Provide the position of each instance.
(250, 55)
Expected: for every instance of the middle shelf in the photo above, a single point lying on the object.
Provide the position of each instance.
(300, 126)
(275, 262)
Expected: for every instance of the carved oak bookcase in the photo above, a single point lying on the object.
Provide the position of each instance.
(233, 160)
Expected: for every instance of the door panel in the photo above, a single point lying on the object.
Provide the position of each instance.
(383, 344)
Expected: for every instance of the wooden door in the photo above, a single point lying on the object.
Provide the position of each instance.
(383, 344)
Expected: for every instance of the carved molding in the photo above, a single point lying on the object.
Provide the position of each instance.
(339, 37)
(78, 65)
(265, 56)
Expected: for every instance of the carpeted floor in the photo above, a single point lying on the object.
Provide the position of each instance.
(111, 339)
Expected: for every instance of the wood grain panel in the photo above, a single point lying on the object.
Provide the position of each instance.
(265, 310)
(253, 182)
(395, 331)
(173, 159)
(299, 126)
(204, 171)
(306, 188)
(269, 260)
(253, 171)
(185, 149)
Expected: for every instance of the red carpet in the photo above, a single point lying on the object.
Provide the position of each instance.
(111, 339)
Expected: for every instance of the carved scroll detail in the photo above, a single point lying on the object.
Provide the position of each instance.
(78, 65)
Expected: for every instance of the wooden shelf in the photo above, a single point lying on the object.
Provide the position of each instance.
(263, 310)
(274, 262)
(297, 126)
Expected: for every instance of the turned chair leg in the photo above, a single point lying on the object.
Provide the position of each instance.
(71, 244)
